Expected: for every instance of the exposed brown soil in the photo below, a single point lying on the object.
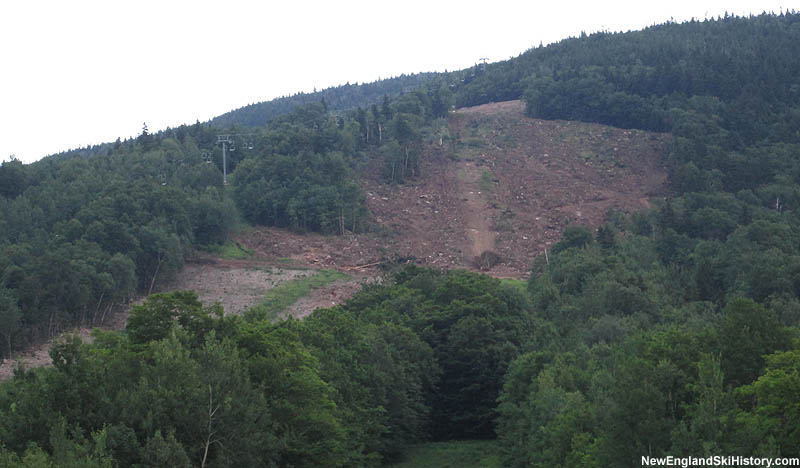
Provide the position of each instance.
(240, 284)
(235, 287)
(479, 215)
(505, 183)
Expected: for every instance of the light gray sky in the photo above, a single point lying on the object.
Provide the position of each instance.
(83, 72)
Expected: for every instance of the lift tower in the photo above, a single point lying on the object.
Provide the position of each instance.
(225, 140)
(228, 142)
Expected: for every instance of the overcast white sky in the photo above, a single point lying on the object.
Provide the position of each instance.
(82, 72)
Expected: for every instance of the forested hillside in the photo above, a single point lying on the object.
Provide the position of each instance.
(673, 331)
(82, 233)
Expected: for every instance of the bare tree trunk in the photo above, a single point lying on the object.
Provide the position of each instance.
(105, 311)
(209, 437)
(97, 309)
(158, 267)
(405, 163)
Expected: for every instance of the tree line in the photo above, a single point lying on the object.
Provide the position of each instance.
(339, 99)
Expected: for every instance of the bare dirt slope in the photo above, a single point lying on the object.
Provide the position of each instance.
(236, 285)
(479, 215)
(505, 183)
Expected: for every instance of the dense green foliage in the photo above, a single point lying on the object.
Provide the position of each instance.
(304, 174)
(637, 363)
(81, 235)
(348, 386)
(474, 324)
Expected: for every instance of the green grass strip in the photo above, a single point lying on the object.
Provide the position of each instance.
(453, 454)
(486, 182)
(522, 285)
(279, 298)
(232, 250)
